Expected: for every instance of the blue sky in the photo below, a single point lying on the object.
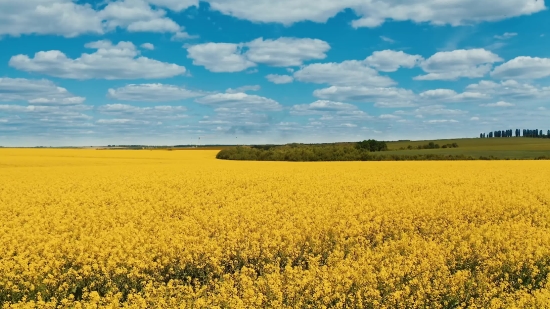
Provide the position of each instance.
(167, 72)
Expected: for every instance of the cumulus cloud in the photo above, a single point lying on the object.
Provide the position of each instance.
(43, 17)
(244, 89)
(391, 61)
(239, 100)
(231, 57)
(523, 68)
(364, 94)
(279, 79)
(322, 107)
(148, 46)
(122, 121)
(451, 65)
(506, 35)
(498, 104)
(374, 13)
(125, 111)
(40, 117)
(137, 16)
(347, 73)
(433, 121)
(330, 114)
(152, 93)
(389, 116)
(219, 57)
(438, 110)
(284, 52)
(510, 89)
(120, 61)
(36, 92)
(387, 39)
(451, 95)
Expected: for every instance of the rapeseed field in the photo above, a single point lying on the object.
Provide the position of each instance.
(180, 229)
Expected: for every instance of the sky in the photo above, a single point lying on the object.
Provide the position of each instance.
(173, 72)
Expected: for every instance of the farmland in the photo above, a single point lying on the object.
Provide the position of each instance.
(164, 229)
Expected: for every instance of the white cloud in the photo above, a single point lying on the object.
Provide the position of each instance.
(389, 116)
(43, 17)
(219, 57)
(182, 35)
(451, 65)
(230, 57)
(523, 68)
(364, 94)
(474, 119)
(36, 92)
(451, 95)
(395, 104)
(284, 52)
(332, 114)
(239, 100)
(322, 107)
(152, 93)
(438, 110)
(280, 79)
(506, 35)
(387, 39)
(125, 111)
(69, 18)
(244, 89)
(148, 46)
(391, 61)
(347, 73)
(110, 62)
(441, 121)
(35, 116)
(348, 125)
(137, 16)
(122, 121)
(498, 104)
(510, 89)
(374, 13)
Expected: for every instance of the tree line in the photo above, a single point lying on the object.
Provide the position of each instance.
(516, 133)
(370, 150)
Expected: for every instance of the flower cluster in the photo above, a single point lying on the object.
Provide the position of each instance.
(180, 229)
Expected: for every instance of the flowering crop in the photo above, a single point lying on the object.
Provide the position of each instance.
(180, 229)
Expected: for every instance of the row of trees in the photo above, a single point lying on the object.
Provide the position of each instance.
(516, 133)
(430, 145)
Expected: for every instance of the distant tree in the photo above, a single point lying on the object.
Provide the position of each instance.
(372, 145)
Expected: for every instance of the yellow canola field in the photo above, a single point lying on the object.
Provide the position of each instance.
(180, 229)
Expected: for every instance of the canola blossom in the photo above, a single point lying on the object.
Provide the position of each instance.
(180, 229)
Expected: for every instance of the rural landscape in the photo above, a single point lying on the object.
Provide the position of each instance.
(89, 228)
(243, 154)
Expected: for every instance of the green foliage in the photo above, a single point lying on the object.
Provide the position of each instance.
(334, 152)
(431, 145)
(372, 145)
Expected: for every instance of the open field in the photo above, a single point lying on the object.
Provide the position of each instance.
(167, 229)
